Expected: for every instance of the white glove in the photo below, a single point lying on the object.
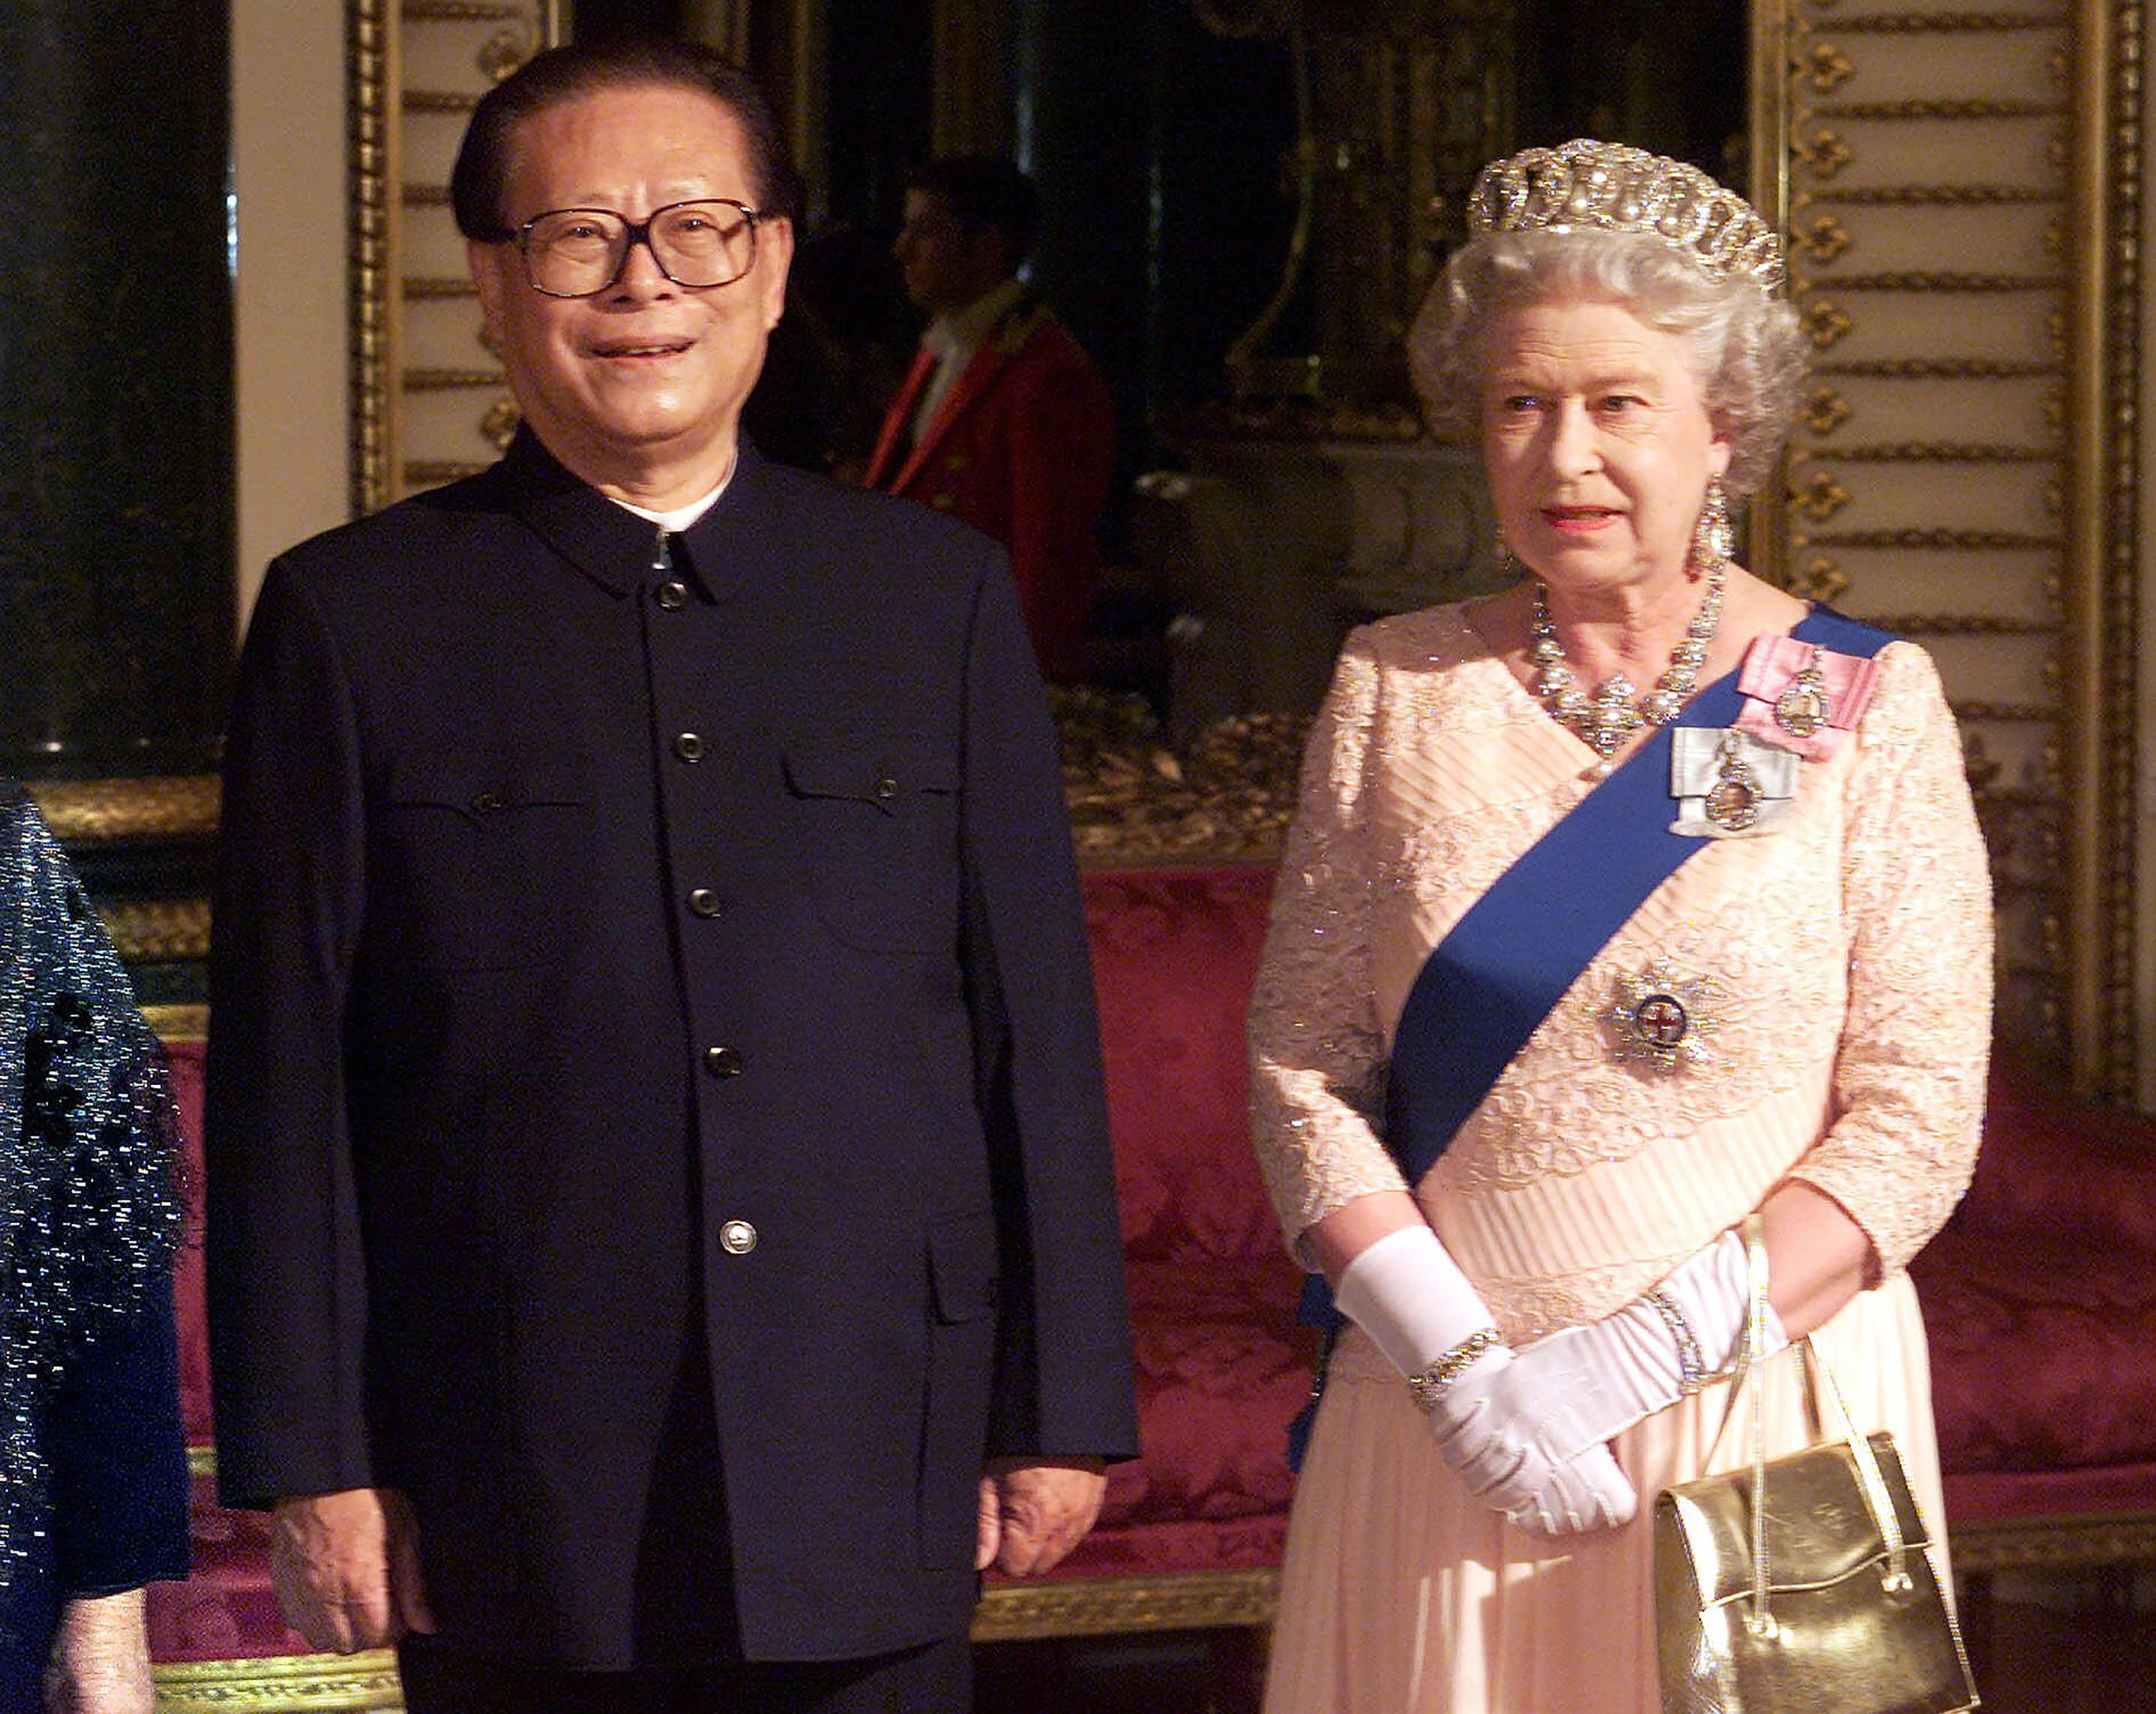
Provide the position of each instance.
(1524, 1441)
(1408, 1295)
(1637, 1362)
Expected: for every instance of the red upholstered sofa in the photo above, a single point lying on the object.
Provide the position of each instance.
(2040, 1299)
(2040, 1296)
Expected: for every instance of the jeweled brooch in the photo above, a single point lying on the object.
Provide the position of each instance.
(1729, 785)
(1807, 705)
(1664, 1017)
(1800, 697)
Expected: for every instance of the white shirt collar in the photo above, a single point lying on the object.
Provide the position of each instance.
(681, 517)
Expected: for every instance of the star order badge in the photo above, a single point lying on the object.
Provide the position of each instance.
(1660, 1017)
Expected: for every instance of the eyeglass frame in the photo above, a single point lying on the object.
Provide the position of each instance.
(634, 232)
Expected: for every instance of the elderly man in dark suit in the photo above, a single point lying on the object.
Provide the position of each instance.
(662, 1241)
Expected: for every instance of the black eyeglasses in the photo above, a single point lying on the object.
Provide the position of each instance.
(578, 252)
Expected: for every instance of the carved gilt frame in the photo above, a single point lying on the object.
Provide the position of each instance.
(2043, 675)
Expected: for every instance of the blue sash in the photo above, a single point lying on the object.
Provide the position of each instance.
(1519, 947)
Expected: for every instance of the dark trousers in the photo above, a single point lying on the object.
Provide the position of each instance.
(934, 1680)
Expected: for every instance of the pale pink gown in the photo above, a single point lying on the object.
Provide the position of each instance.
(1851, 953)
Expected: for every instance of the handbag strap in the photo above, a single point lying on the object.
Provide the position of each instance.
(1819, 1380)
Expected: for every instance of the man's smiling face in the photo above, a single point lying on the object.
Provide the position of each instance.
(645, 374)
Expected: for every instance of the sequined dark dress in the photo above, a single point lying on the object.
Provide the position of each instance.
(93, 1469)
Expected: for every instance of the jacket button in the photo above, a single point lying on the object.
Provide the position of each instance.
(704, 902)
(724, 1062)
(689, 746)
(672, 596)
(737, 1237)
(886, 788)
(486, 803)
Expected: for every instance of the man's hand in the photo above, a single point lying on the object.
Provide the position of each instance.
(346, 1567)
(1033, 1513)
(101, 1658)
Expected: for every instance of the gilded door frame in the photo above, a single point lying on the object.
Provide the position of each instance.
(413, 68)
(2084, 939)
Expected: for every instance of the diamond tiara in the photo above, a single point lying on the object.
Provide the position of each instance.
(1585, 186)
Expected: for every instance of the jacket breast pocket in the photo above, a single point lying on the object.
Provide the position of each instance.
(876, 824)
(474, 865)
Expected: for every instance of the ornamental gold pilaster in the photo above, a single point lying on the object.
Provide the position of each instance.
(417, 68)
(1944, 268)
(173, 807)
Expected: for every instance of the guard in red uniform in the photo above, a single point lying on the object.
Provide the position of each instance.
(1002, 420)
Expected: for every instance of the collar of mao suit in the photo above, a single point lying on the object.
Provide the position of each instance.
(739, 537)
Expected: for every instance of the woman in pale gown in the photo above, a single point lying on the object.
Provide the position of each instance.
(1608, 969)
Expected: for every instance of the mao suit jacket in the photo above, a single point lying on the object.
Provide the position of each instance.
(617, 934)
(1022, 448)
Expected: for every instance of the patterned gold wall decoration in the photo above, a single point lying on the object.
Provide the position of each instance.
(430, 401)
(1962, 189)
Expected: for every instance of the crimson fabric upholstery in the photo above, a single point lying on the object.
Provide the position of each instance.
(1222, 1365)
(2039, 1299)
(226, 1609)
(2039, 1294)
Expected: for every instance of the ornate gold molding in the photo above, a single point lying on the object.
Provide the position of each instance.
(461, 11)
(1941, 452)
(177, 1023)
(1936, 110)
(283, 1684)
(163, 806)
(1928, 24)
(1098, 1606)
(1938, 541)
(372, 29)
(1938, 368)
(2067, 972)
(2054, 1543)
(1137, 803)
(1917, 196)
(318, 1684)
(1924, 280)
(2104, 494)
(396, 355)
(158, 930)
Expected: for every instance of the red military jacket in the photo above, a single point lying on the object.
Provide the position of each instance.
(1022, 450)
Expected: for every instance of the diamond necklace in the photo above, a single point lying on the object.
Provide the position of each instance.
(1607, 719)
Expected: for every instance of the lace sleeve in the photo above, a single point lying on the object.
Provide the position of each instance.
(1909, 1075)
(1316, 1052)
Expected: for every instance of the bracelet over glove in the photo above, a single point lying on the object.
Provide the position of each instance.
(1521, 1448)
(1663, 1345)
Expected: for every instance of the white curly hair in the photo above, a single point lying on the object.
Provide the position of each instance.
(1748, 351)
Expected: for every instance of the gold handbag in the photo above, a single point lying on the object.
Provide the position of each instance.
(1804, 1584)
